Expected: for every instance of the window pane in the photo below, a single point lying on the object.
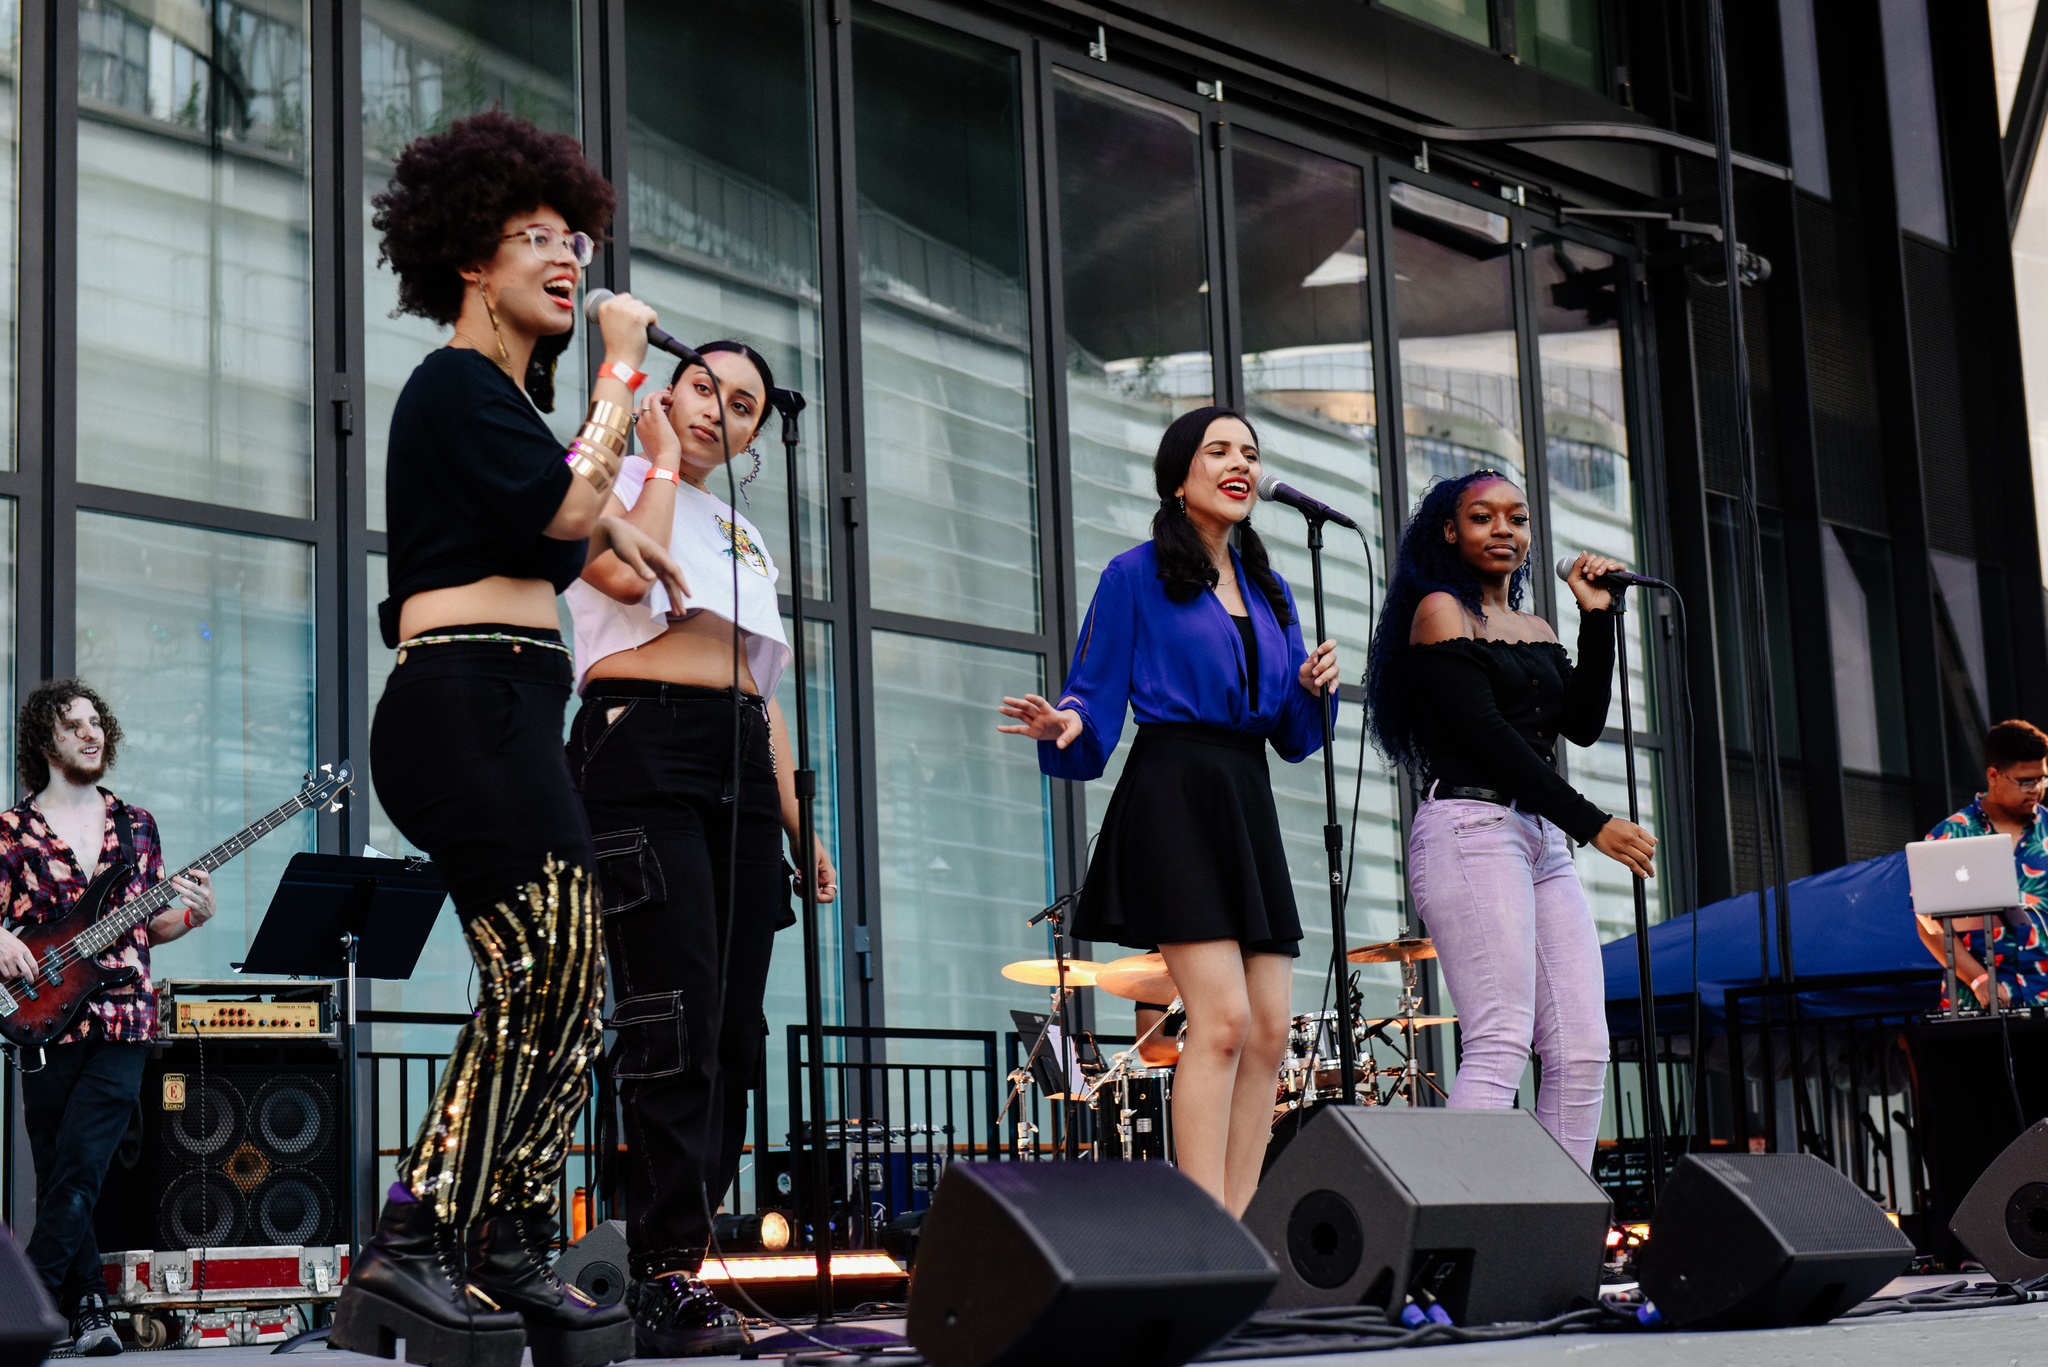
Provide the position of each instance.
(1308, 380)
(202, 643)
(1136, 290)
(966, 832)
(1585, 439)
(1863, 630)
(1600, 773)
(1729, 608)
(725, 219)
(1466, 18)
(425, 66)
(1563, 38)
(1461, 402)
(1915, 118)
(194, 257)
(10, 109)
(945, 332)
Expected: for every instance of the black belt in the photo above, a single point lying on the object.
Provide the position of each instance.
(1460, 790)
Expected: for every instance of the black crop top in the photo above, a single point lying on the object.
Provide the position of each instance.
(1490, 712)
(472, 477)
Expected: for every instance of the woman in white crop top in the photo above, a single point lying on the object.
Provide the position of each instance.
(652, 753)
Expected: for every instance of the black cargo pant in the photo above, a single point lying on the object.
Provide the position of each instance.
(76, 1109)
(688, 948)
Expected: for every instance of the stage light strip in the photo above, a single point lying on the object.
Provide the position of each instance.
(795, 1267)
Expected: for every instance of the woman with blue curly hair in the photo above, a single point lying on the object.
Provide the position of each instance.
(1469, 694)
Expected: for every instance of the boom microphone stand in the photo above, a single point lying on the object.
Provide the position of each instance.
(1333, 839)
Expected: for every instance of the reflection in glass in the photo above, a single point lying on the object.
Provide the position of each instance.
(1729, 627)
(1136, 289)
(1461, 402)
(945, 333)
(1863, 630)
(194, 256)
(1563, 38)
(424, 66)
(722, 196)
(1599, 772)
(1466, 18)
(966, 836)
(1308, 384)
(202, 643)
(1585, 439)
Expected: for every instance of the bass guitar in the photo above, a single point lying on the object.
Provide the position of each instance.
(34, 1011)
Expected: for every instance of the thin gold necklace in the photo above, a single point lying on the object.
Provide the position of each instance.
(469, 343)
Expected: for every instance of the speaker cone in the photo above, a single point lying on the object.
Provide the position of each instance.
(201, 1210)
(291, 1208)
(291, 1118)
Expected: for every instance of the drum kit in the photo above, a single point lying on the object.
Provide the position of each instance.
(1132, 1103)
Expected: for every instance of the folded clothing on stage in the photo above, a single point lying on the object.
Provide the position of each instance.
(1490, 713)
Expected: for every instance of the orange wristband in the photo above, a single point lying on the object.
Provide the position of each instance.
(655, 472)
(623, 373)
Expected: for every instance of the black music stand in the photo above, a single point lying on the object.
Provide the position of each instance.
(336, 916)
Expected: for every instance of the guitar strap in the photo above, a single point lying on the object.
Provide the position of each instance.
(124, 832)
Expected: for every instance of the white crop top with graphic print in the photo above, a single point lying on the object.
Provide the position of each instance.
(708, 537)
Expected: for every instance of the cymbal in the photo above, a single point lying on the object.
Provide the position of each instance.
(1046, 972)
(1394, 952)
(1139, 978)
(1396, 1021)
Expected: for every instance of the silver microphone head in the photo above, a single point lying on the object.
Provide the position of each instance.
(593, 301)
(1268, 483)
(1564, 567)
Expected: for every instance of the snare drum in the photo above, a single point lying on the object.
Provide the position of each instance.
(1134, 1116)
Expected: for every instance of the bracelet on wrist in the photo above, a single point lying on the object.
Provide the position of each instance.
(602, 438)
(655, 474)
(189, 923)
(623, 373)
(1979, 981)
(612, 417)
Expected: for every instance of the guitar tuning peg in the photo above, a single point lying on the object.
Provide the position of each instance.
(309, 776)
(326, 768)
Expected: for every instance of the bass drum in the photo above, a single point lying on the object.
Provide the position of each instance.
(1147, 1094)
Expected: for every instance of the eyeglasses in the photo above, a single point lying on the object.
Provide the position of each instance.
(547, 242)
(2028, 785)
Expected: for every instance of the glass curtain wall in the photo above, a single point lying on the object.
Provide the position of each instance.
(194, 256)
(1454, 304)
(1592, 507)
(426, 63)
(964, 817)
(1308, 383)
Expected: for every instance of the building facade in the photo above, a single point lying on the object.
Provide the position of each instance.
(999, 245)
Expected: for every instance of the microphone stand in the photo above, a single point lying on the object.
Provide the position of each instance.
(819, 1179)
(1653, 1104)
(1333, 840)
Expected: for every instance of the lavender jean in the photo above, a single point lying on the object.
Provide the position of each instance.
(1514, 936)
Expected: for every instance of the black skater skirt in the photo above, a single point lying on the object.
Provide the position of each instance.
(1190, 848)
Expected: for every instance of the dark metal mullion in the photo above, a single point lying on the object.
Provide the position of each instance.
(344, 271)
(327, 380)
(2023, 126)
(1209, 139)
(1223, 297)
(839, 319)
(103, 498)
(60, 353)
(1535, 458)
(973, 633)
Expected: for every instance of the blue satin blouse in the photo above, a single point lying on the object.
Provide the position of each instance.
(1179, 662)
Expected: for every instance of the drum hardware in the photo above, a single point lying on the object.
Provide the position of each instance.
(1120, 1073)
(1065, 976)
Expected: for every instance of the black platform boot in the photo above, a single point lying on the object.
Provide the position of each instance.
(411, 1284)
(676, 1316)
(564, 1327)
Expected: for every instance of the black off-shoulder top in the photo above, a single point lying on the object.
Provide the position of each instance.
(1490, 712)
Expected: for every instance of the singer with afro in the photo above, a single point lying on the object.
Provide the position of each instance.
(1200, 640)
(488, 227)
(1470, 694)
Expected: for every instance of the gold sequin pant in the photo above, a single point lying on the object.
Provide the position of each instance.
(466, 751)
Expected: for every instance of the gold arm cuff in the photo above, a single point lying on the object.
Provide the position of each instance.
(591, 469)
(610, 416)
(601, 436)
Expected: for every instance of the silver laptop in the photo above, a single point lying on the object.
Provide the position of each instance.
(1955, 877)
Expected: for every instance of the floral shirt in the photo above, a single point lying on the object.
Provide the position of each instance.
(2021, 963)
(43, 881)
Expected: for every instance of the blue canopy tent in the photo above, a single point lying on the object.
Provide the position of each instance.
(1848, 923)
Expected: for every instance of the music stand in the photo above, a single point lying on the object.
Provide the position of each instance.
(340, 917)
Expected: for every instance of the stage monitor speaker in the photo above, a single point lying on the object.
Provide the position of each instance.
(1765, 1240)
(29, 1324)
(1083, 1264)
(2004, 1219)
(247, 1150)
(596, 1263)
(1480, 1208)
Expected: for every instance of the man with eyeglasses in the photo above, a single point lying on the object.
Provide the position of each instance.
(2015, 776)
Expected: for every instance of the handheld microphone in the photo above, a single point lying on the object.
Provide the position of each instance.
(656, 338)
(1273, 491)
(1612, 581)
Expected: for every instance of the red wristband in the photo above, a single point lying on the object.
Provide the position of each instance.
(623, 373)
(188, 920)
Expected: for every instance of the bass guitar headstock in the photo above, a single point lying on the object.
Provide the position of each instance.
(326, 787)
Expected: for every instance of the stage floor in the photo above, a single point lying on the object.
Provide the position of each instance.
(1994, 1337)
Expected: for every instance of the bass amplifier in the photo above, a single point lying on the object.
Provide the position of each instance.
(239, 1145)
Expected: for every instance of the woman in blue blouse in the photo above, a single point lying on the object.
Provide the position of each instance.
(1189, 859)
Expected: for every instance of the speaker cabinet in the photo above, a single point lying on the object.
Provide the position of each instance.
(1080, 1264)
(247, 1150)
(1480, 1208)
(29, 1324)
(1758, 1241)
(2004, 1219)
(596, 1263)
